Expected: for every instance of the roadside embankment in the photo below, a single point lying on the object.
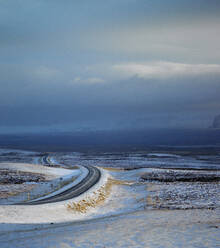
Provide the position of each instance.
(25, 182)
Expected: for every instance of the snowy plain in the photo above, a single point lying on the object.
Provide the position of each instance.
(129, 217)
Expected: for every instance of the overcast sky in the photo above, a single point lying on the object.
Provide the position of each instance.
(100, 65)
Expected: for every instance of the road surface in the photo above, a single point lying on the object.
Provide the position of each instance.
(91, 179)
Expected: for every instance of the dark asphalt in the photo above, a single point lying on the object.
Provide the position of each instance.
(91, 179)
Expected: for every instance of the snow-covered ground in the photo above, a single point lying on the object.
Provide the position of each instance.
(77, 175)
(51, 212)
(50, 173)
(150, 229)
(141, 159)
(160, 155)
(56, 181)
(131, 214)
(122, 221)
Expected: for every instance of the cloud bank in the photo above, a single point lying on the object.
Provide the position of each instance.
(95, 65)
(165, 70)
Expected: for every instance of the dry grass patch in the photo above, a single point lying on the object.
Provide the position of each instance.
(9, 190)
(112, 169)
(121, 182)
(153, 201)
(97, 198)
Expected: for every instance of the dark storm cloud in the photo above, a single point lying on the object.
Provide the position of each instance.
(123, 102)
(91, 64)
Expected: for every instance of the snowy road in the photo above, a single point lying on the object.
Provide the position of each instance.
(92, 178)
(86, 183)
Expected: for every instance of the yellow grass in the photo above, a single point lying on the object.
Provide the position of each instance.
(13, 190)
(112, 169)
(97, 198)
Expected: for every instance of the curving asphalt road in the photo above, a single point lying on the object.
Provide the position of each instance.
(91, 179)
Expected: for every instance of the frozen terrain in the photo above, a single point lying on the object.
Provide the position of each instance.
(181, 158)
(171, 229)
(144, 199)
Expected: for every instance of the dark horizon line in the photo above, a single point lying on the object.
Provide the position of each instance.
(90, 131)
